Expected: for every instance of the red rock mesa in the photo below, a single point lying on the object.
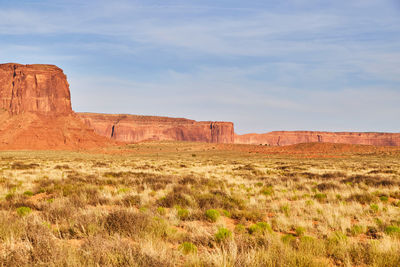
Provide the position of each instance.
(133, 128)
(282, 138)
(35, 111)
(34, 88)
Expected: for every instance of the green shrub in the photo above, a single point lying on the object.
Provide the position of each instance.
(226, 213)
(320, 197)
(267, 191)
(212, 215)
(183, 214)
(285, 209)
(392, 230)
(123, 190)
(143, 209)
(161, 211)
(374, 207)
(187, 248)
(288, 239)
(253, 229)
(28, 193)
(222, 234)
(384, 198)
(309, 202)
(10, 196)
(23, 211)
(338, 237)
(260, 227)
(300, 231)
(357, 229)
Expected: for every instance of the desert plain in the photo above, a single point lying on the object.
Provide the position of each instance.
(198, 204)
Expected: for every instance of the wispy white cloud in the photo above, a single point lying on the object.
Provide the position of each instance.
(252, 105)
(265, 65)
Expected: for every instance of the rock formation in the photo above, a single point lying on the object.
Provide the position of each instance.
(34, 88)
(133, 128)
(35, 111)
(282, 138)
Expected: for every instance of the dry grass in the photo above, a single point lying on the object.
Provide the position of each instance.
(182, 204)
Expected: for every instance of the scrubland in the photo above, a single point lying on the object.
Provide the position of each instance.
(191, 206)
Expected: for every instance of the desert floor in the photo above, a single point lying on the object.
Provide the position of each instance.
(191, 204)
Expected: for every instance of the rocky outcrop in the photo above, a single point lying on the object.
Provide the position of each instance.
(282, 138)
(133, 128)
(34, 88)
(35, 111)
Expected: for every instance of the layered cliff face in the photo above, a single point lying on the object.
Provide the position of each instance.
(282, 138)
(132, 128)
(34, 88)
(35, 111)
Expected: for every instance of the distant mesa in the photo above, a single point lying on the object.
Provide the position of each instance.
(36, 113)
(133, 128)
(284, 138)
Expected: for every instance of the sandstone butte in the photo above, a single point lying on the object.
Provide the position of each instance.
(36, 113)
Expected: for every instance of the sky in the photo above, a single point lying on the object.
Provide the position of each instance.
(264, 65)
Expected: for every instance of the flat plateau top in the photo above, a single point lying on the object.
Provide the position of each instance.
(40, 67)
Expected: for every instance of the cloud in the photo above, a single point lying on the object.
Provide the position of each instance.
(267, 65)
(226, 94)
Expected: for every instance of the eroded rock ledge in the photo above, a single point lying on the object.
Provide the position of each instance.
(282, 138)
(134, 128)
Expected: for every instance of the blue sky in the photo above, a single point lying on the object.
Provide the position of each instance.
(265, 65)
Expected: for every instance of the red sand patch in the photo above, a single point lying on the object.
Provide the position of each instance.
(31, 131)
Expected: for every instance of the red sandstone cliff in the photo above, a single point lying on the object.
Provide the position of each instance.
(282, 138)
(34, 88)
(133, 128)
(35, 111)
